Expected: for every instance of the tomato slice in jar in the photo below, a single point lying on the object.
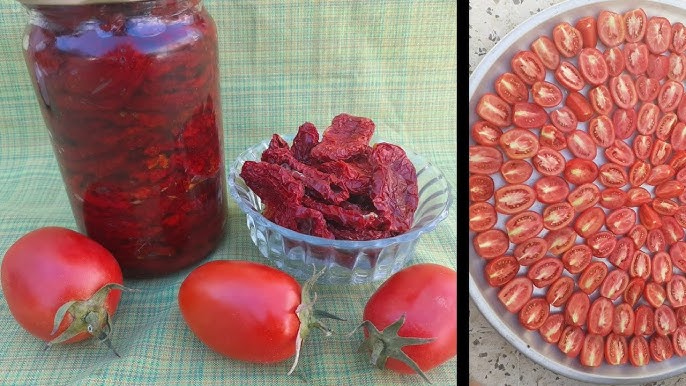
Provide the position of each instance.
(511, 88)
(614, 285)
(600, 99)
(495, 110)
(576, 309)
(546, 94)
(584, 196)
(623, 320)
(678, 42)
(564, 119)
(551, 329)
(486, 134)
(658, 34)
(622, 254)
(639, 351)
(551, 189)
(636, 58)
(612, 198)
(516, 171)
(501, 270)
(545, 271)
(614, 57)
(589, 32)
(558, 215)
(579, 171)
(635, 23)
(645, 320)
(599, 320)
(624, 121)
(559, 291)
(616, 349)
(546, 51)
(593, 351)
(571, 341)
(577, 258)
(530, 251)
(569, 77)
(611, 28)
(516, 293)
(549, 162)
(670, 95)
(550, 136)
(620, 221)
(592, 277)
(482, 216)
(519, 143)
(524, 226)
(528, 67)
(567, 39)
(484, 160)
(623, 91)
(647, 89)
(491, 243)
(528, 115)
(581, 145)
(676, 291)
(592, 66)
(589, 221)
(534, 313)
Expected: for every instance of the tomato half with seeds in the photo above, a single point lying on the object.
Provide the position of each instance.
(670, 189)
(512, 199)
(491, 243)
(501, 270)
(567, 39)
(622, 254)
(528, 115)
(559, 291)
(549, 162)
(560, 240)
(528, 67)
(592, 277)
(558, 215)
(658, 66)
(678, 42)
(645, 320)
(665, 126)
(679, 341)
(495, 110)
(678, 160)
(484, 160)
(546, 51)
(546, 94)
(676, 291)
(576, 309)
(516, 171)
(612, 198)
(638, 234)
(486, 134)
(551, 189)
(516, 293)
(601, 130)
(534, 313)
(620, 221)
(519, 143)
(681, 316)
(677, 67)
(640, 265)
(678, 136)
(665, 207)
(482, 216)
(524, 226)
(602, 243)
(660, 174)
(648, 217)
(550, 136)
(639, 351)
(670, 95)
(592, 66)
(571, 341)
(579, 171)
(623, 91)
(551, 329)
(623, 320)
(581, 145)
(511, 88)
(530, 251)
(634, 290)
(620, 153)
(589, 31)
(615, 60)
(600, 316)
(635, 23)
(637, 196)
(662, 267)
(614, 284)
(648, 116)
(672, 230)
(600, 99)
(584, 196)
(636, 58)
(593, 351)
(577, 258)
(616, 349)
(658, 34)
(660, 348)
(647, 89)
(611, 28)
(654, 294)
(545, 271)
(480, 188)
(589, 221)
(612, 175)
(624, 121)
(569, 77)
(656, 241)
(564, 119)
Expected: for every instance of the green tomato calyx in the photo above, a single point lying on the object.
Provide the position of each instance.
(89, 316)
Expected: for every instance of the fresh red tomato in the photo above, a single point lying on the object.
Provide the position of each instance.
(48, 268)
(670, 95)
(635, 22)
(592, 66)
(593, 351)
(579, 171)
(620, 221)
(524, 226)
(612, 198)
(623, 91)
(581, 145)
(678, 43)
(616, 349)
(551, 189)
(567, 39)
(622, 254)
(546, 94)
(589, 32)
(602, 243)
(677, 67)
(648, 116)
(600, 99)
(519, 143)
(424, 297)
(550, 136)
(571, 341)
(636, 58)
(570, 77)
(620, 153)
(560, 240)
(559, 291)
(528, 67)
(676, 291)
(679, 341)
(584, 196)
(623, 320)
(670, 189)
(654, 294)
(645, 320)
(638, 234)
(660, 348)
(670, 227)
(530, 251)
(634, 290)
(647, 88)
(600, 316)
(551, 329)
(665, 320)
(639, 351)
(639, 171)
(665, 125)
(648, 217)
(662, 267)
(658, 34)
(612, 175)
(660, 153)
(534, 313)
(549, 162)
(486, 134)
(658, 66)
(511, 88)
(681, 110)
(558, 215)
(624, 121)
(516, 293)
(615, 60)
(592, 277)
(614, 284)
(480, 188)
(681, 316)
(546, 51)
(611, 28)
(589, 221)
(678, 136)
(564, 119)
(656, 240)
(637, 196)
(512, 199)
(545, 271)
(516, 171)
(495, 110)
(528, 115)
(601, 130)
(577, 258)
(576, 309)
(482, 216)
(660, 174)
(640, 265)
(484, 160)
(491, 243)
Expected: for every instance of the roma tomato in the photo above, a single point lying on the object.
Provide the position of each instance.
(679, 341)
(482, 216)
(670, 95)
(665, 126)
(549, 162)
(581, 145)
(612, 198)
(658, 34)
(676, 291)
(611, 28)
(584, 196)
(559, 292)
(514, 171)
(557, 216)
(570, 77)
(645, 320)
(624, 121)
(660, 348)
(571, 341)
(677, 67)
(589, 32)
(615, 60)
(614, 284)
(512, 199)
(421, 300)
(519, 143)
(592, 277)
(480, 188)
(550, 136)
(592, 351)
(579, 171)
(639, 351)
(623, 91)
(577, 258)
(511, 88)
(678, 43)
(592, 66)
(600, 316)
(486, 134)
(622, 254)
(546, 51)
(636, 58)
(601, 130)
(491, 243)
(564, 119)
(528, 67)
(546, 94)
(579, 105)
(495, 110)
(616, 349)
(551, 329)
(545, 271)
(567, 39)
(658, 66)
(620, 221)
(263, 324)
(61, 286)
(550, 189)
(530, 251)
(601, 100)
(534, 313)
(635, 23)
(576, 309)
(612, 175)
(647, 88)
(589, 221)
(528, 115)
(484, 160)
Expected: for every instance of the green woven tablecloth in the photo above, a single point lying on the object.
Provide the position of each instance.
(282, 63)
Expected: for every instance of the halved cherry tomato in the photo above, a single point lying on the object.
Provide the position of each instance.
(602, 243)
(564, 119)
(620, 153)
(546, 51)
(549, 162)
(611, 28)
(545, 271)
(576, 309)
(620, 221)
(635, 22)
(645, 320)
(516, 293)
(589, 32)
(658, 66)
(658, 34)
(647, 89)
(616, 349)
(614, 285)
(648, 115)
(584, 196)
(569, 76)
(637, 196)
(592, 351)
(678, 43)
(665, 126)
(480, 188)
(654, 294)
(636, 58)
(589, 221)
(546, 94)
(670, 189)
(530, 251)
(612, 198)
(557, 216)
(681, 110)
(623, 320)
(571, 341)
(680, 217)
(491, 243)
(638, 234)
(676, 291)
(511, 88)
(672, 230)
(516, 171)
(528, 115)
(670, 95)
(600, 316)
(560, 240)
(559, 291)
(592, 66)
(482, 216)
(634, 290)
(656, 241)
(579, 171)
(534, 313)
(660, 152)
(677, 67)
(660, 174)
(519, 143)
(486, 134)
(613, 175)
(640, 265)
(623, 91)
(601, 130)
(679, 341)
(551, 189)
(550, 136)
(678, 160)
(665, 320)
(662, 267)
(551, 329)
(615, 60)
(484, 160)
(592, 277)
(524, 226)
(678, 136)
(648, 217)
(624, 121)
(665, 207)
(639, 351)
(622, 254)
(601, 100)
(681, 316)
(501, 270)
(528, 67)
(639, 172)
(567, 39)
(495, 110)
(581, 145)
(577, 258)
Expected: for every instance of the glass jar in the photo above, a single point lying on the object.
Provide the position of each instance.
(129, 91)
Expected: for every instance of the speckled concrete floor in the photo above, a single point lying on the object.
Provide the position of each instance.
(492, 360)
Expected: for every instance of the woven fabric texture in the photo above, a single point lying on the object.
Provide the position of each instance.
(282, 63)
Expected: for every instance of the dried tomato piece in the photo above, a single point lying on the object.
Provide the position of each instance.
(303, 142)
(355, 175)
(347, 137)
(272, 183)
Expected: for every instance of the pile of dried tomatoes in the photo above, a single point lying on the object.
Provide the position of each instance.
(578, 188)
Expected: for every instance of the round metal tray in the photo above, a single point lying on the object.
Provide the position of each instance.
(481, 81)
